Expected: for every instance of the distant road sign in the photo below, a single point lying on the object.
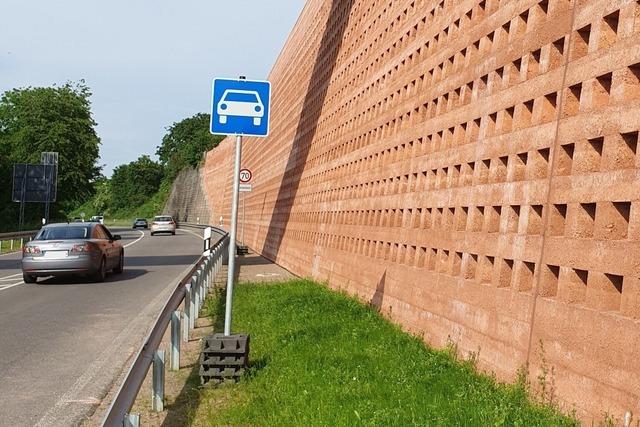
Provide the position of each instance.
(34, 183)
(245, 176)
(240, 107)
(245, 188)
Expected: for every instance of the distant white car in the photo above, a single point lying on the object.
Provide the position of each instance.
(97, 218)
(243, 103)
(163, 224)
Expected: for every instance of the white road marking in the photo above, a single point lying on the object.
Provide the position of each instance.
(135, 241)
(267, 274)
(191, 232)
(4, 288)
(10, 277)
(88, 401)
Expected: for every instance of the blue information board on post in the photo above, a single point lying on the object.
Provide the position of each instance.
(240, 107)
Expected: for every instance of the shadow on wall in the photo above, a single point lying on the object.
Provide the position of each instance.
(308, 123)
(378, 296)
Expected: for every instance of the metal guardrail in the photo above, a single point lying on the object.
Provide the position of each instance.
(218, 230)
(192, 289)
(14, 237)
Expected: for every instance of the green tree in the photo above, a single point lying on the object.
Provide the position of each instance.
(185, 143)
(33, 120)
(102, 196)
(134, 183)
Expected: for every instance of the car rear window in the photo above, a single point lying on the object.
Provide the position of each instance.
(63, 233)
(163, 218)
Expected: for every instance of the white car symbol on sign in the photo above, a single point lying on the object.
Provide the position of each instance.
(243, 103)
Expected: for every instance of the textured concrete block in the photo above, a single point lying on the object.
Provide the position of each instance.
(480, 156)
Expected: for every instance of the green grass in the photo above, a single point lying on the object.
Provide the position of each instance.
(322, 358)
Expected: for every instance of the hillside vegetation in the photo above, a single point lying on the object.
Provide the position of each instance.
(141, 188)
(42, 119)
(59, 119)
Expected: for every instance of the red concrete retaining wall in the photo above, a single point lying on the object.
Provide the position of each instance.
(470, 167)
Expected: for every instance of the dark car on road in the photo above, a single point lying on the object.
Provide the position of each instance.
(141, 223)
(67, 249)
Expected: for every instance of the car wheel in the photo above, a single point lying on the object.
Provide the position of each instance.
(28, 278)
(120, 268)
(152, 233)
(173, 233)
(101, 274)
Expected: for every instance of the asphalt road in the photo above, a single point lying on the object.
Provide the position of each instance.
(63, 343)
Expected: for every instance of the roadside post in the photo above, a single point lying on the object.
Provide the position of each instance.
(239, 107)
(157, 382)
(207, 241)
(245, 187)
(174, 364)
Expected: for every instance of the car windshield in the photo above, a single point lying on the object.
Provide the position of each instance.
(163, 218)
(63, 233)
(140, 219)
(241, 97)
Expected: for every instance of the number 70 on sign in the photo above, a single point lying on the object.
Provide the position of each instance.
(245, 176)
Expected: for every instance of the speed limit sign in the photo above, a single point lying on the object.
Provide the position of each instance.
(245, 176)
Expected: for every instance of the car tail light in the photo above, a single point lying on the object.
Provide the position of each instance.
(31, 250)
(83, 248)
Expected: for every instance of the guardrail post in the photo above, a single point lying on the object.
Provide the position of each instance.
(188, 296)
(216, 269)
(210, 275)
(157, 396)
(132, 420)
(203, 278)
(200, 274)
(196, 294)
(202, 294)
(192, 304)
(175, 340)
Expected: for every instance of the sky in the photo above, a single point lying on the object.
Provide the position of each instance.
(148, 63)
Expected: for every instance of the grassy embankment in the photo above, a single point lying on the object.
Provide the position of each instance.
(322, 358)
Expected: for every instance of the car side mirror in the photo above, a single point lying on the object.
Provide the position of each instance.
(117, 237)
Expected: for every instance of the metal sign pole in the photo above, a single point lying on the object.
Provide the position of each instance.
(48, 184)
(232, 241)
(242, 232)
(22, 200)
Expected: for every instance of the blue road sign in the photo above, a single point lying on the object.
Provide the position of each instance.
(240, 107)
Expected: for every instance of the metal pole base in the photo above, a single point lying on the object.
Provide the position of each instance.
(224, 357)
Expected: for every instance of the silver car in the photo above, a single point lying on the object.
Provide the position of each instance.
(163, 224)
(72, 249)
